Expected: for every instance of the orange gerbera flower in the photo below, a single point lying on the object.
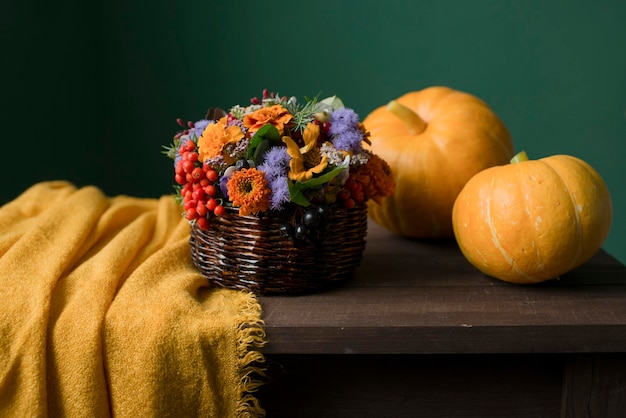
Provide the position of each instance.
(248, 190)
(307, 160)
(275, 115)
(215, 136)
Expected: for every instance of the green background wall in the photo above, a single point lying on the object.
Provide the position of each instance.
(91, 90)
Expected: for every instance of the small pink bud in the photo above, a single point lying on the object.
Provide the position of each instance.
(265, 94)
(255, 101)
(180, 122)
(190, 124)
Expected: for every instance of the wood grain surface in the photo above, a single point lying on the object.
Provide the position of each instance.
(422, 297)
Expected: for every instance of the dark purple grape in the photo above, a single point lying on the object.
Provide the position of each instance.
(286, 231)
(242, 164)
(311, 218)
(301, 232)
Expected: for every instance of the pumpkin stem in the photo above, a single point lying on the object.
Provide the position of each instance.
(519, 157)
(413, 123)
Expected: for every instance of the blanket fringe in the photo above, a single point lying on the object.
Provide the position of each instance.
(251, 336)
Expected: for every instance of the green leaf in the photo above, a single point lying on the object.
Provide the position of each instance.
(334, 102)
(170, 151)
(266, 132)
(296, 195)
(296, 190)
(324, 178)
(260, 150)
(266, 137)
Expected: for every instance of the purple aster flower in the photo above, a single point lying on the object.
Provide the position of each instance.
(280, 192)
(199, 126)
(224, 180)
(350, 140)
(342, 120)
(275, 163)
(180, 141)
(177, 156)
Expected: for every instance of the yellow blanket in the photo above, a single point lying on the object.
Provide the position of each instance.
(102, 313)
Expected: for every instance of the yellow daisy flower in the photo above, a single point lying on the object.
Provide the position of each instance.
(307, 160)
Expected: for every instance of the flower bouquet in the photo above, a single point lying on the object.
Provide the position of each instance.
(276, 192)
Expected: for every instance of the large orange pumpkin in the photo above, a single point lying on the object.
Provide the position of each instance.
(434, 140)
(531, 221)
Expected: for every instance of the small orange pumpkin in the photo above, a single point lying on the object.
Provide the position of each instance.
(532, 221)
(434, 140)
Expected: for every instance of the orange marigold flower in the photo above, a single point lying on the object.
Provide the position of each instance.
(376, 178)
(248, 189)
(275, 115)
(215, 136)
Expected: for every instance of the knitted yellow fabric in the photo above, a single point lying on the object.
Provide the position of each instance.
(102, 313)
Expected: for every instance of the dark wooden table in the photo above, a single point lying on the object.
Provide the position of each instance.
(418, 332)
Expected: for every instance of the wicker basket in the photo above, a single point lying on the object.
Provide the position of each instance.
(249, 252)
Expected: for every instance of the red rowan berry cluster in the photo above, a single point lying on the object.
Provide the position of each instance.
(199, 188)
(352, 193)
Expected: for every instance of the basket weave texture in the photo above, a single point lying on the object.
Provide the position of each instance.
(249, 252)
